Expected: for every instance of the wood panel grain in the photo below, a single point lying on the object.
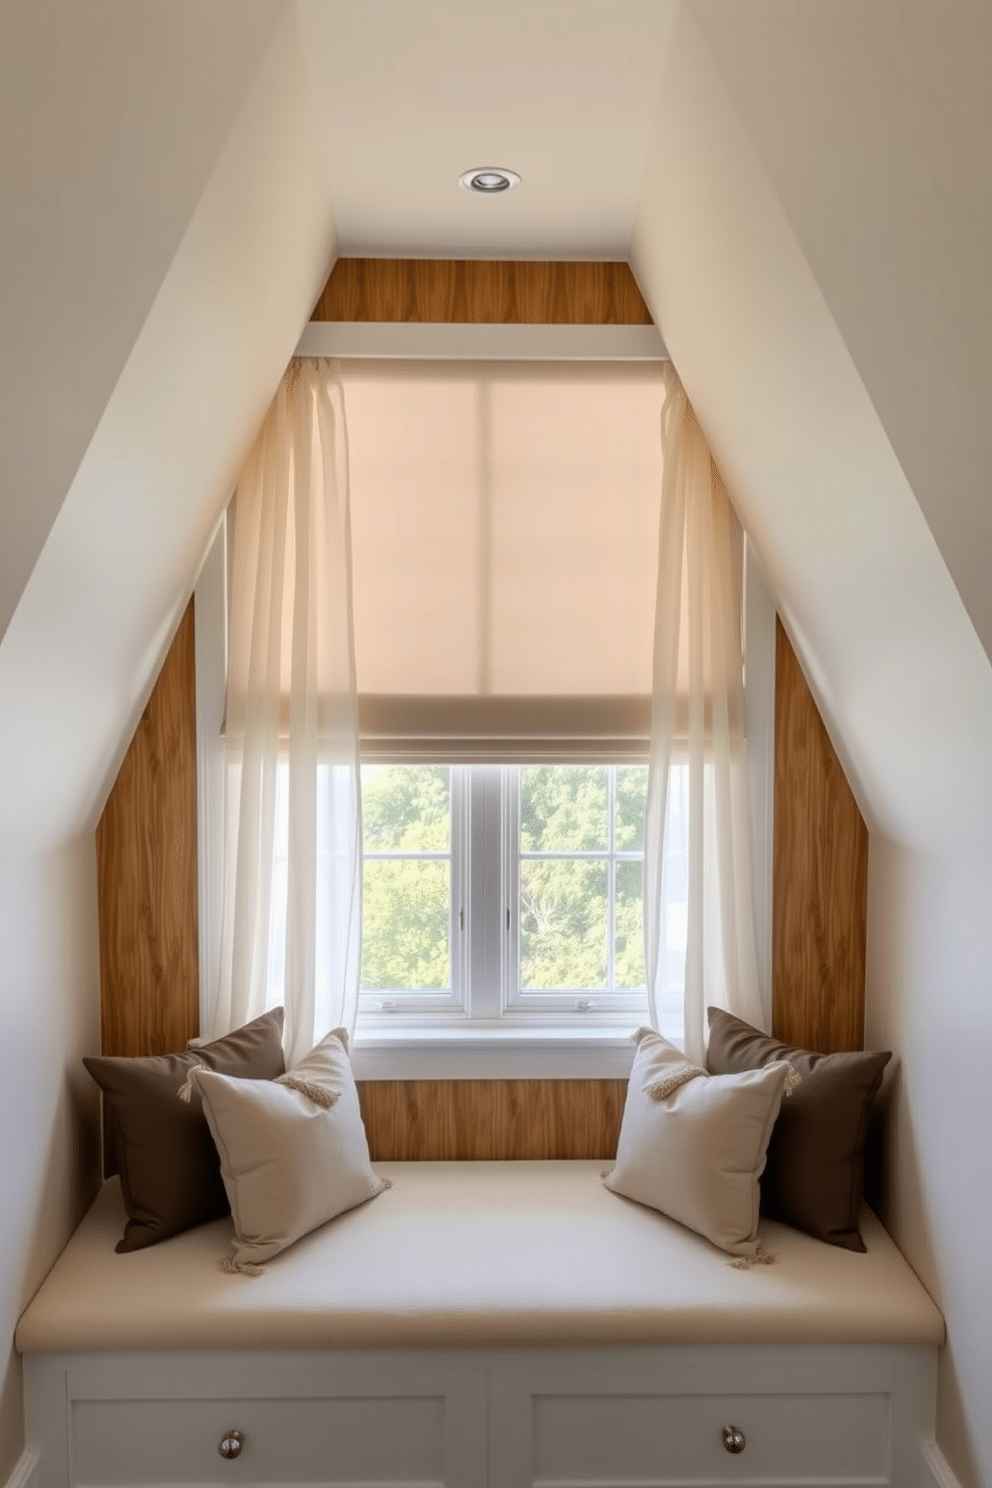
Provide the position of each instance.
(463, 290)
(146, 873)
(820, 877)
(463, 1120)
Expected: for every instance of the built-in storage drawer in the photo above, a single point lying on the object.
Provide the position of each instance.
(387, 1439)
(649, 1439)
(718, 1416)
(291, 1425)
(834, 1416)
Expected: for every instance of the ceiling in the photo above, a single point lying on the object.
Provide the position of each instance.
(564, 92)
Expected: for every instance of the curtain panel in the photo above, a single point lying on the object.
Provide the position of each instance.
(292, 893)
(698, 635)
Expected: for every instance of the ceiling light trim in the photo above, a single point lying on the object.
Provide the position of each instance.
(489, 180)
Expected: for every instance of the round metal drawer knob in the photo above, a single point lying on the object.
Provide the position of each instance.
(733, 1439)
(231, 1444)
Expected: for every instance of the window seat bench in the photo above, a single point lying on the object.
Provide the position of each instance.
(494, 1323)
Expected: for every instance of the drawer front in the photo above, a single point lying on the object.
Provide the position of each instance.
(469, 1419)
(369, 1438)
(677, 1439)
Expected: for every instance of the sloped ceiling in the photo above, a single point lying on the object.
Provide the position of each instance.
(730, 263)
(177, 228)
(874, 126)
(111, 119)
(802, 189)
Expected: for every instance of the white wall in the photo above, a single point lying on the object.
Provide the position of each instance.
(930, 999)
(111, 123)
(153, 293)
(758, 295)
(872, 124)
(49, 1018)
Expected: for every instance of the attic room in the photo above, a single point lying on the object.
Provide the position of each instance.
(802, 195)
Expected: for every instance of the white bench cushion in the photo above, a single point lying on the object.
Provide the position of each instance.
(475, 1255)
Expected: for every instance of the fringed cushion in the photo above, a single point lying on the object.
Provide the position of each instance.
(293, 1151)
(693, 1145)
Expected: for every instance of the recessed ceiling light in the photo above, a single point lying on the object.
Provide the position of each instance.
(489, 180)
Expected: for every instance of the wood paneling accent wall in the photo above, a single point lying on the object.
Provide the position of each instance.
(489, 1119)
(484, 292)
(146, 872)
(146, 841)
(463, 1120)
(820, 877)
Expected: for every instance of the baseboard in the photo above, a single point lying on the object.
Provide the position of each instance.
(934, 1469)
(23, 1474)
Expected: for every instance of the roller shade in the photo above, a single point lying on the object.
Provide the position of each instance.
(526, 730)
(504, 547)
(504, 540)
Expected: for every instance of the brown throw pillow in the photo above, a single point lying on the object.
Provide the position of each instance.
(170, 1171)
(814, 1176)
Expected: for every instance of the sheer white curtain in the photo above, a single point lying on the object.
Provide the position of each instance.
(697, 721)
(292, 893)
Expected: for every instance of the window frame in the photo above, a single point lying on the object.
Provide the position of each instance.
(397, 1006)
(585, 1045)
(552, 1004)
(485, 929)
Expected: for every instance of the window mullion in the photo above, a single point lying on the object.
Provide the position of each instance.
(485, 917)
(460, 885)
(510, 906)
(611, 878)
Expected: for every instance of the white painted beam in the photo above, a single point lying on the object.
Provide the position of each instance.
(401, 340)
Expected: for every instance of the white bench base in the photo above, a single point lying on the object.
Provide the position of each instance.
(499, 1325)
(839, 1415)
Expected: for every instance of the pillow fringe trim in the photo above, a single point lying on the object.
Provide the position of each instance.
(233, 1267)
(185, 1091)
(321, 1095)
(761, 1257)
(668, 1086)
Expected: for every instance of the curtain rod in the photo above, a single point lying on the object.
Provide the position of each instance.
(400, 340)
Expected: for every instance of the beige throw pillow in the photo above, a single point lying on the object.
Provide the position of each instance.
(293, 1151)
(693, 1145)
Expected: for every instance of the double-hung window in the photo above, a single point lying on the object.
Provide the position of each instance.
(504, 532)
(508, 893)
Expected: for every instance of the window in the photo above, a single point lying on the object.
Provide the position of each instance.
(412, 893)
(510, 893)
(578, 857)
(504, 536)
(503, 614)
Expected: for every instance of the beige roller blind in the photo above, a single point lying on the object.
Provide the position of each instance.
(504, 538)
(504, 544)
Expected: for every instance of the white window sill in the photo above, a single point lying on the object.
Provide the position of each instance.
(485, 1052)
